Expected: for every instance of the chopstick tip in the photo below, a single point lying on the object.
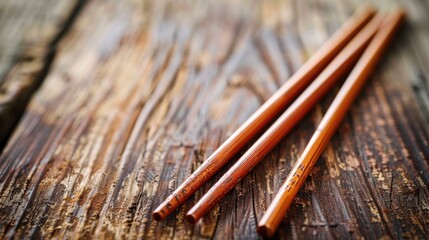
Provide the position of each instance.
(367, 7)
(265, 231)
(401, 11)
(157, 216)
(191, 218)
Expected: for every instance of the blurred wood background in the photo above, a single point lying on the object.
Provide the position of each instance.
(133, 95)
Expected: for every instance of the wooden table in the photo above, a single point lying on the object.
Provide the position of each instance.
(134, 95)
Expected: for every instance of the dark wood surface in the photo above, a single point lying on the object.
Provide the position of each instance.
(29, 36)
(136, 94)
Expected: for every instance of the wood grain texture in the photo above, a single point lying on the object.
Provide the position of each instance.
(141, 92)
(29, 34)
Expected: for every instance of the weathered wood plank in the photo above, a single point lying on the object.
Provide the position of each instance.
(29, 33)
(141, 92)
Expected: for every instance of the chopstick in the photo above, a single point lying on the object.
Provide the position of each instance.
(338, 68)
(266, 113)
(330, 122)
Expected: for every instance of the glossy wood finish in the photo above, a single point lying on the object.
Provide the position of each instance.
(324, 82)
(139, 93)
(328, 125)
(265, 115)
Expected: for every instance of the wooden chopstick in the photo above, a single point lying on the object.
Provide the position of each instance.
(266, 113)
(330, 122)
(338, 68)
